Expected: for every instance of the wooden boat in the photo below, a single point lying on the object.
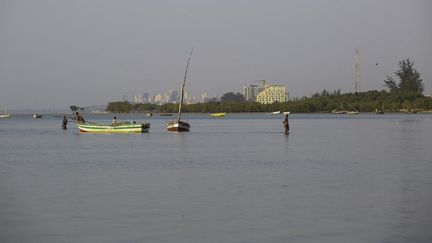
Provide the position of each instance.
(221, 114)
(179, 125)
(120, 128)
(37, 116)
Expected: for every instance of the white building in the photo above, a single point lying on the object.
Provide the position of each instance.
(272, 93)
(250, 92)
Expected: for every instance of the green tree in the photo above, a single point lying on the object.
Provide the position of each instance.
(230, 96)
(409, 79)
(119, 107)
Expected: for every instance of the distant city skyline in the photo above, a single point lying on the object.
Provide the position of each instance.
(60, 53)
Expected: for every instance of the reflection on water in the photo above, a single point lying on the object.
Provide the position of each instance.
(359, 178)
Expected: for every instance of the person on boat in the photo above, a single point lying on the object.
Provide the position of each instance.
(114, 121)
(286, 124)
(64, 123)
(79, 118)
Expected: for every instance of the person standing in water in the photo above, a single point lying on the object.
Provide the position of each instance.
(65, 121)
(286, 124)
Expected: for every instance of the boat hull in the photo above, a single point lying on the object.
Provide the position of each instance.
(218, 114)
(178, 126)
(121, 128)
(5, 116)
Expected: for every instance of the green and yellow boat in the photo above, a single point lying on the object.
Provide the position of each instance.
(120, 128)
(221, 114)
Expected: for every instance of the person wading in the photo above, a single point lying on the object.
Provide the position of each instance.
(286, 124)
(64, 123)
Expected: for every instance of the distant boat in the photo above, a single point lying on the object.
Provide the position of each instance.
(274, 113)
(380, 111)
(149, 114)
(165, 114)
(120, 128)
(6, 114)
(179, 125)
(352, 112)
(338, 111)
(37, 116)
(221, 114)
(343, 111)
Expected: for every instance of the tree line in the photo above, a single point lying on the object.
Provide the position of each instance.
(405, 93)
(324, 101)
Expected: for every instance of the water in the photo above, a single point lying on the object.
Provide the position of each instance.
(335, 178)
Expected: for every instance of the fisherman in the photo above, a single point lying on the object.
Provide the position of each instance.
(286, 124)
(114, 121)
(65, 121)
(79, 118)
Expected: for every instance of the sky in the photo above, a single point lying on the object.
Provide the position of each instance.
(57, 53)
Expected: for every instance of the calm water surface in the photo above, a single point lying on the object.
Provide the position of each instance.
(335, 178)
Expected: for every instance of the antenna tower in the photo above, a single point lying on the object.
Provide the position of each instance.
(357, 70)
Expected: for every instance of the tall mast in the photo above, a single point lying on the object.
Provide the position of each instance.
(182, 87)
(357, 71)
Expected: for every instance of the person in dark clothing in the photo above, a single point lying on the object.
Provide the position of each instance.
(65, 121)
(79, 118)
(286, 124)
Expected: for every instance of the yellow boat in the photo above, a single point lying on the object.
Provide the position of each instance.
(218, 114)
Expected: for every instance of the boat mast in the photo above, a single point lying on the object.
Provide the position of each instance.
(182, 87)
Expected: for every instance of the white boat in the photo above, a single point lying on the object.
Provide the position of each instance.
(343, 111)
(352, 112)
(276, 112)
(6, 114)
(179, 125)
(120, 128)
(37, 116)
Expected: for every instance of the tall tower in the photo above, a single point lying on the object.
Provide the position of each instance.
(357, 71)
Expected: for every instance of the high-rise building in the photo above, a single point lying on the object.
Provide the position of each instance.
(138, 98)
(250, 92)
(145, 98)
(158, 98)
(172, 96)
(271, 94)
(203, 98)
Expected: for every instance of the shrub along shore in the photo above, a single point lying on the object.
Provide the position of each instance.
(369, 101)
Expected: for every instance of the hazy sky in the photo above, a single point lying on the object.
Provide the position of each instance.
(56, 53)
